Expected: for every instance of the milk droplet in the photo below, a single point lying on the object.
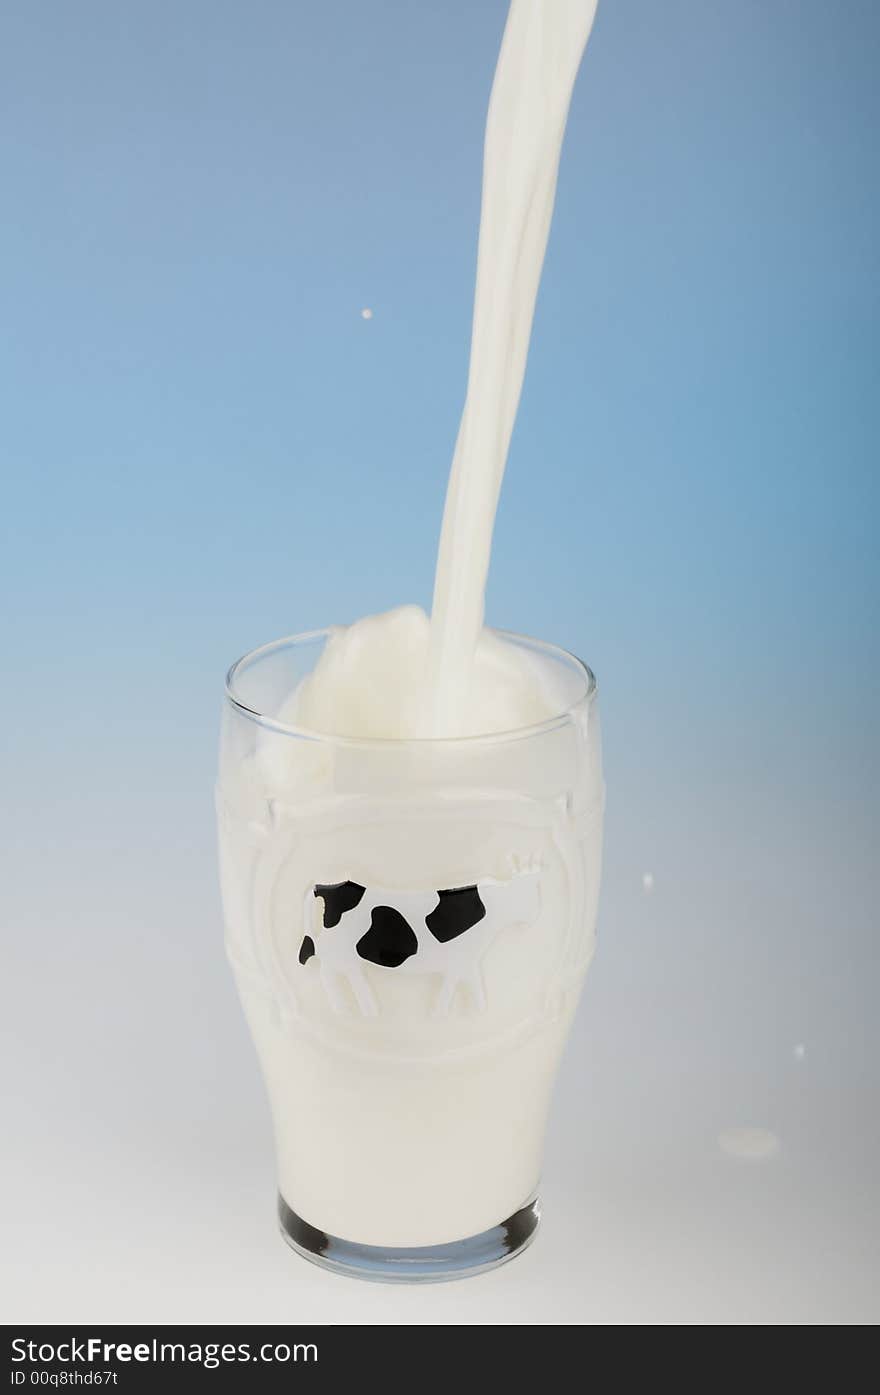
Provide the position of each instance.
(648, 881)
(754, 1145)
(800, 1052)
(366, 313)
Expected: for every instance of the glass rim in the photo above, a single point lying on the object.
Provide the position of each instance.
(547, 724)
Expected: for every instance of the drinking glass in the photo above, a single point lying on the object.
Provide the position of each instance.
(409, 923)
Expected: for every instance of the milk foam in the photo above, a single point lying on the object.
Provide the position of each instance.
(371, 679)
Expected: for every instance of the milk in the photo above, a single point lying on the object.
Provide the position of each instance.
(541, 51)
(371, 682)
(409, 1104)
(409, 1086)
(540, 55)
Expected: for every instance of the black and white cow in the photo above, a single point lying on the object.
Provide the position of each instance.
(413, 932)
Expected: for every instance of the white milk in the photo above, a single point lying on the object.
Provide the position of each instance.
(370, 682)
(540, 55)
(409, 1102)
(409, 1098)
(541, 51)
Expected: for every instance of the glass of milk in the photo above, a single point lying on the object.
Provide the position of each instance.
(409, 923)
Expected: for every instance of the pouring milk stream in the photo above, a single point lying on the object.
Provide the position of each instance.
(446, 677)
(540, 55)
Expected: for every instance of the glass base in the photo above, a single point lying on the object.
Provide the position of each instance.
(421, 1264)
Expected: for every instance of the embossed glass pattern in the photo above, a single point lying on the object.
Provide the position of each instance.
(409, 924)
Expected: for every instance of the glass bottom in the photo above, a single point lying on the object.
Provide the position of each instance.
(420, 1264)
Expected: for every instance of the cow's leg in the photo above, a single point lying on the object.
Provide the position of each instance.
(364, 995)
(476, 987)
(443, 1001)
(330, 985)
(361, 990)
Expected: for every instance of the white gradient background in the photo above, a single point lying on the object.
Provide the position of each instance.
(205, 446)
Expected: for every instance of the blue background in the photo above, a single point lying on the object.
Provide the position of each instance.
(206, 446)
